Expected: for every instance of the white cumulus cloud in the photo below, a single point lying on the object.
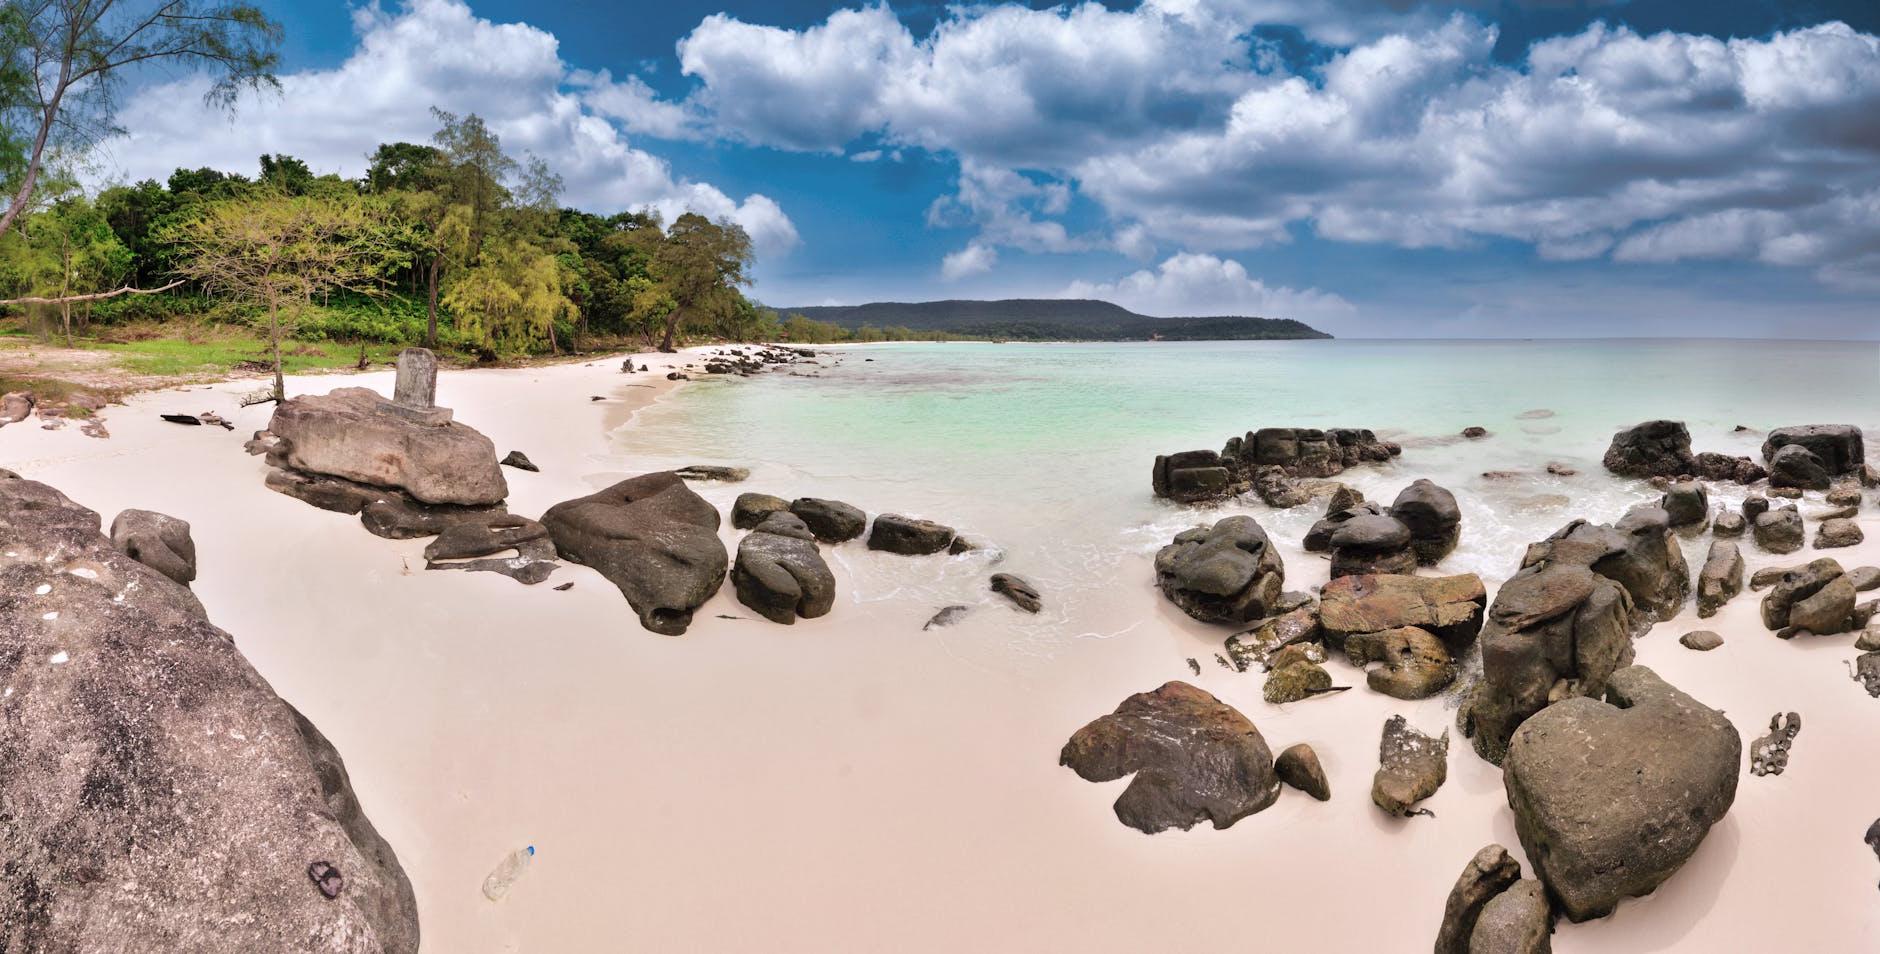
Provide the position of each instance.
(1193, 284)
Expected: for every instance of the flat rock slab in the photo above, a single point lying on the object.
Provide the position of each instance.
(355, 434)
(1448, 606)
(1194, 759)
(1411, 767)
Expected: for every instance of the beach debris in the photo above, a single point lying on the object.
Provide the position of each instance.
(1193, 759)
(94, 428)
(596, 397)
(948, 616)
(1299, 767)
(1227, 573)
(728, 616)
(327, 878)
(1720, 579)
(1676, 761)
(626, 367)
(1015, 588)
(652, 537)
(1769, 755)
(1702, 640)
(158, 541)
(1488, 874)
(1866, 671)
(519, 461)
(565, 587)
(909, 536)
(714, 472)
(1194, 665)
(507, 872)
(1221, 661)
(216, 420)
(1411, 766)
(189, 419)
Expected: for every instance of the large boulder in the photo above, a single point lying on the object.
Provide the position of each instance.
(355, 434)
(1794, 465)
(1448, 606)
(1194, 759)
(831, 520)
(1817, 598)
(652, 537)
(1721, 578)
(1556, 630)
(1434, 519)
(781, 574)
(1227, 573)
(1778, 530)
(1839, 448)
(158, 541)
(1639, 552)
(909, 536)
(1611, 798)
(1196, 476)
(1652, 449)
(159, 795)
(1372, 544)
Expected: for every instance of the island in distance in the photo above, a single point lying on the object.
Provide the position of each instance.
(1054, 319)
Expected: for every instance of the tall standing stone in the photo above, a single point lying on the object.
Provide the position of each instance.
(417, 378)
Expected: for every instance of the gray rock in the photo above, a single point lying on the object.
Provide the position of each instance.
(1846, 494)
(1318, 539)
(416, 384)
(1411, 767)
(1867, 673)
(1769, 576)
(750, 509)
(1869, 641)
(1434, 519)
(1611, 798)
(326, 493)
(1793, 465)
(1652, 449)
(782, 575)
(1294, 678)
(1196, 476)
(1828, 611)
(783, 523)
(1448, 606)
(909, 536)
(1839, 448)
(1721, 578)
(716, 473)
(1755, 506)
(1370, 544)
(1194, 759)
(1702, 640)
(1415, 664)
(652, 537)
(520, 461)
(354, 434)
(1779, 531)
(831, 520)
(1639, 552)
(1796, 584)
(1838, 533)
(1516, 921)
(395, 516)
(1275, 633)
(1686, 503)
(1344, 497)
(1227, 573)
(1729, 524)
(158, 541)
(161, 796)
(947, 616)
(473, 546)
(1299, 767)
(1488, 874)
(1769, 755)
(1015, 588)
(1712, 466)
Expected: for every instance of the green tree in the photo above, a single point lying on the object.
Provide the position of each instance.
(278, 251)
(511, 299)
(59, 60)
(403, 167)
(83, 256)
(699, 268)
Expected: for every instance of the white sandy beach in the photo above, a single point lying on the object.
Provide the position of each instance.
(854, 784)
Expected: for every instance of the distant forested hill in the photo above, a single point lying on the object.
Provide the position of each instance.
(1050, 319)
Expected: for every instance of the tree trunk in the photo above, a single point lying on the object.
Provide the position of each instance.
(672, 328)
(274, 340)
(65, 309)
(430, 327)
(31, 177)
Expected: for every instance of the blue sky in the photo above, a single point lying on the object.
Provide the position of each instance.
(1526, 168)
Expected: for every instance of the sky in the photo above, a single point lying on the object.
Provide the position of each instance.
(1393, 168)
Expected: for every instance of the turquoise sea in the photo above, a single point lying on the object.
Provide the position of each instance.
(1045, 449)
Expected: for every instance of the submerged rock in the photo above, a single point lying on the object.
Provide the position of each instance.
(1488, 874)
(1611, 798)
(1411, 767)
(1227, 573)
(652, 537)
(1022, 594)
(1194, 759)
(161, 796)
(1299, 767)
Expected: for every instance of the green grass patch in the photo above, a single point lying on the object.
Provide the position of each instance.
(227, 351)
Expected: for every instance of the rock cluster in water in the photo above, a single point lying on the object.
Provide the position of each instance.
(1266, 461)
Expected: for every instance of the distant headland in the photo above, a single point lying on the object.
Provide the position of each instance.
(1054, 319)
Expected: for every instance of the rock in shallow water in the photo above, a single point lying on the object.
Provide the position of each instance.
(1411, 767)
(1434, 520)
(1022, 594)
(652, 537)
(166, 787)
(1779, 531)
(1611, 798)
(1227, 573)
(1651, 449)
(909, 536)
(1194, 759)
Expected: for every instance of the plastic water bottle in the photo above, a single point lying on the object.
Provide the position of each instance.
(511, 868)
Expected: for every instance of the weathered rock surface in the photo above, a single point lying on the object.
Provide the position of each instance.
(831, 520)
(158, 541)
(1299, 767)
(1022, 594)
(1488, 874)
(1258, 646)
(154, 783)
(355, 434)
(1295, 677)
(1639, 552)
(1371, 544)
(1793, 465)
(1266, 461)
(1702, 640)
(909, 536)
(1516, 921)
(1434, 519)
(473, 546)
(1196, 476)
(1816, 597)
(749, 510)
(1411, 767)
(1867, 673)
(1611, 798)
(395, 516)
(1448, 606)
(782, 575)
(1729, 524)
(1318, 539)
(1713, 466)
(1769, 755)
(652, 537)
(1227, 573)
(1838, 533)
(1686, 503)
(1839, 448)
(1720, 579)
(1194, 759)
(1652, 449)
(1779, 530)
(1415, 664)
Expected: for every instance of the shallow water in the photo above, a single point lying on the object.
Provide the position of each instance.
(1045, 450)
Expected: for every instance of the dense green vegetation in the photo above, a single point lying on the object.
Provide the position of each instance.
(1047, 319)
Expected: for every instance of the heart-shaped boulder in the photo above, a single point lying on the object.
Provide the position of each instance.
(1611, 798)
